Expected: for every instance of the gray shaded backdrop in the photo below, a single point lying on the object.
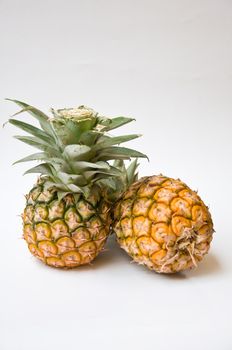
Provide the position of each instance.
(168, 64)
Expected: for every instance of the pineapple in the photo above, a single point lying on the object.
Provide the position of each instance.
(67, 216)
(161, 223)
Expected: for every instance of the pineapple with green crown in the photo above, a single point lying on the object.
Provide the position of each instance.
(82, 170)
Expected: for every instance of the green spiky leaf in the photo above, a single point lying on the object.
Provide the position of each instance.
(82, 166)
(78, 180)
(89, 138)
(36, 113)
(77, 152)
(131, 172)
(125, 153)
(32, 130)
(116, 123)
(110, 141)
(35, 156)
(44, 169)
(38, 143)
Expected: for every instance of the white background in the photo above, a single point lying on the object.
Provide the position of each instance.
(169, 65)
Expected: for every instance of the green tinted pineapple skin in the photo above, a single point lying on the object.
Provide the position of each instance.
(65, 233)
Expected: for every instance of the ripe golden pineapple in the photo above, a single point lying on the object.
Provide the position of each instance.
(67, 217)
(161, 223)
(66, 232)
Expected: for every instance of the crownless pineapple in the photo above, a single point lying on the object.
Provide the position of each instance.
(67, 217)
(161, 223)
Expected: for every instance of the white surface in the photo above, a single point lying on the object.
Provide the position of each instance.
(168, 64)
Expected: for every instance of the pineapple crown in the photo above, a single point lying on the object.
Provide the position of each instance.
(76, 151)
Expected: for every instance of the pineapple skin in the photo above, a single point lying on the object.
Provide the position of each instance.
(65, 233)
(162, 224)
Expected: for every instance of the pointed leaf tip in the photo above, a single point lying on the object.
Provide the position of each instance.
(116, 122)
